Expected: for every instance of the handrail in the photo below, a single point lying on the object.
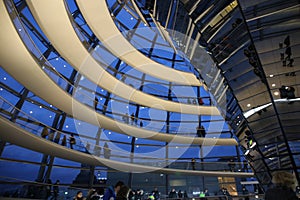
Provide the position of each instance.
(18, 136)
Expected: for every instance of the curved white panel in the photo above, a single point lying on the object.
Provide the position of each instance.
(100, 21)
(58, 28)
(18, 61)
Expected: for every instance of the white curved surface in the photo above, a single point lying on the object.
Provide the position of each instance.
(16, 135)
(100, 21)
(19, 63)
(58, 29)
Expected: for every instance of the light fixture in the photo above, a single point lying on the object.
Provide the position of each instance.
(248, 105)
(30, 112)
(247, 152)
(276, 93)
(253, 145)
(67, 126)
(271, 75)
(273, 85)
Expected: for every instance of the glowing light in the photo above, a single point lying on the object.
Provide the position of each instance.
(276, 93)
(248, 105)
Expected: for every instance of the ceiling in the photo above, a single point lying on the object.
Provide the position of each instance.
(228, 28)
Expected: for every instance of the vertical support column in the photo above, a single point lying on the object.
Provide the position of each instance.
(2, 145)
(202, 168)
(237, 179)
(49, 160)
(201, 150)
(130, 177)
(168, 124)
(15, 113)
(42, 175)
(91, 178)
